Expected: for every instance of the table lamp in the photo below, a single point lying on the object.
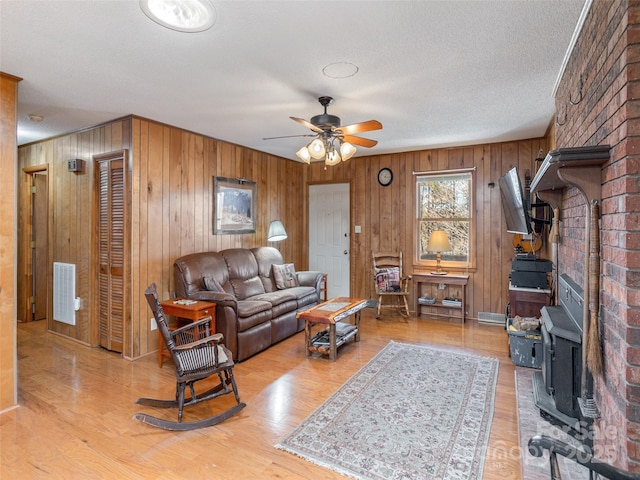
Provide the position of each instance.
(438, 242)
(277, 232)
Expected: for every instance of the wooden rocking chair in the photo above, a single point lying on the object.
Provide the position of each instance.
(390, 282)
(197, 353)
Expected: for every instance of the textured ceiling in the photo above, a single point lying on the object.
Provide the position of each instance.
(435, 73)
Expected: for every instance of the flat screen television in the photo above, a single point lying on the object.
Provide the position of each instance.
(516, 213)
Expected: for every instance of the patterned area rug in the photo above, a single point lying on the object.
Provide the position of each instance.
(530, 423)
(413, 412)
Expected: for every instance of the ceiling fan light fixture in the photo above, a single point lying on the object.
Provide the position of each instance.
(317, 149)
(333, 158)
(329, 143)
(304, 155)
(181, 15)
(347, 151)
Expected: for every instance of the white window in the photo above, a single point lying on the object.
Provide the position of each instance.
(444, 202)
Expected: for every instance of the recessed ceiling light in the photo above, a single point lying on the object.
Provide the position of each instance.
(340, 70)
(35, 118)
(181, 15)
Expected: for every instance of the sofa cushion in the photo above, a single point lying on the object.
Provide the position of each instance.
(304, 295)
(252, 313)
(246, 308)
(285, 276)
(282, 302)
(266, 257)
(246, 288)
(243, 272)
(277, 297)
(191, 269)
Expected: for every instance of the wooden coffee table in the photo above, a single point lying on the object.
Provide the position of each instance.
(330, 313)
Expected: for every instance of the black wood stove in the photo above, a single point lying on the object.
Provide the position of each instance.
(557, 387)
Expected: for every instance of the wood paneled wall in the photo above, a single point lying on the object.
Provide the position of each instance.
(71, 202)
(386, 214)
(8, 247)
(172, 183)
(171, 172)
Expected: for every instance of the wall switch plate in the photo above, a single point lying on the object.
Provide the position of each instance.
(357, 229)
(441, 286)
(154, 325)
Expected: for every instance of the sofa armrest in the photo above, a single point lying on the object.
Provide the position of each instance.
(217, 297)
(309, 278)
(226, 316)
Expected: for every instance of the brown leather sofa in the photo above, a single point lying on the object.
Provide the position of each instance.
(251, 312)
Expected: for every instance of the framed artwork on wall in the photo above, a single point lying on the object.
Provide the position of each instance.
(234, 206)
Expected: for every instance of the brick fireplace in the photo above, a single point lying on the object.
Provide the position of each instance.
(598, 103)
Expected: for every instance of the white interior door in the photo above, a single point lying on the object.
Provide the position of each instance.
(329, 232)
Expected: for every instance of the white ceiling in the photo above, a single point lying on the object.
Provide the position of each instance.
(435, 73)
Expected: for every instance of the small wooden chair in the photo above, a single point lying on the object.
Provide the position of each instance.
(390, 282)
(197, 353)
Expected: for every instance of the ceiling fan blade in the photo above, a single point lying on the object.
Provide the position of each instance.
(360, 127)
(309, 125)
(290, 136)
(363, 142)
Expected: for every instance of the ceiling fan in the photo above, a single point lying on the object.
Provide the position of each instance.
(333, 142)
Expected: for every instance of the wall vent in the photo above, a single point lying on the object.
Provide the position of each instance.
(64, 292)
(494, 318)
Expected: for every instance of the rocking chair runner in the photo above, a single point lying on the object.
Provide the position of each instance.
(197, 354)
(390, 282)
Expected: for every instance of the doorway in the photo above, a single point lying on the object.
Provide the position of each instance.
(329, 235)
(33, 257)
(39, 231)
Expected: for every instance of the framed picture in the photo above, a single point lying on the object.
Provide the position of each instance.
(234, 206)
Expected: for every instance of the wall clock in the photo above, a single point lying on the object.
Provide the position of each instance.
(385, 177)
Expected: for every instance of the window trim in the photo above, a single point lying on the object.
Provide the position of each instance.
(452, 265)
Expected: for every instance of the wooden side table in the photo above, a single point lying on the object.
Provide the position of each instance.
(324, 288)
(457, 280)
(194, 312)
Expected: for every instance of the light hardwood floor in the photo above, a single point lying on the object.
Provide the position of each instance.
(76, 406)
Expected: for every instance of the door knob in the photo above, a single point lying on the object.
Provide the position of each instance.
(346, 253)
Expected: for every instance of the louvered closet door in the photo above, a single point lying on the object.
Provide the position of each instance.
(111, 253)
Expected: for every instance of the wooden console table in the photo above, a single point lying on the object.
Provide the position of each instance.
(194, 312)
(459, 280)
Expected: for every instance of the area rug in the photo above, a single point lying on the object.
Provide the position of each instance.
(530, 423)
(413, 412)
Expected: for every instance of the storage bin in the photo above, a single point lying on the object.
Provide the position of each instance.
(525, 347)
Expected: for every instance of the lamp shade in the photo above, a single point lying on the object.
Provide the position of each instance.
(304, 155)
(438, 242)
(332, 158)
(317, 149)
(347, 151)
(277, 232)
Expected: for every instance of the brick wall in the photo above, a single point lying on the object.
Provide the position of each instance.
(606, 60)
